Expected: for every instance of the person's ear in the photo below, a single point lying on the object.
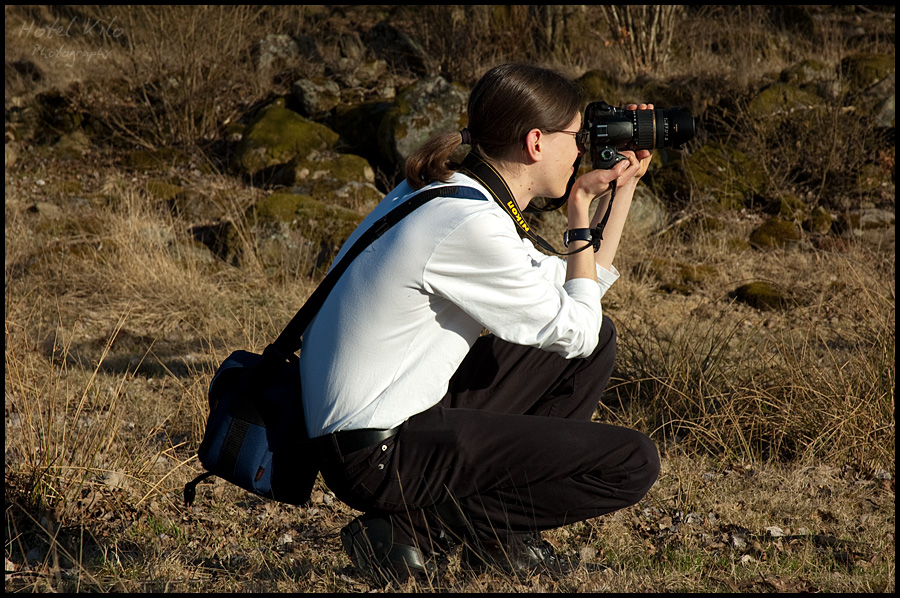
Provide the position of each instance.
(533, 144)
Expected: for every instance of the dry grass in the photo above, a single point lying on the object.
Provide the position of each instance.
(813, 382)
(776, 427)
(113, 334)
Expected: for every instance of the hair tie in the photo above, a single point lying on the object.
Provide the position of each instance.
(466, 136)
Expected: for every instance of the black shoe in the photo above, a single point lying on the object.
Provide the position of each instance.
(370, 544)
(525, 554)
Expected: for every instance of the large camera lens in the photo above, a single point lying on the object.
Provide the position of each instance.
(659, 128)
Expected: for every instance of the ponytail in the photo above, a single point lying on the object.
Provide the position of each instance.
(432, 162)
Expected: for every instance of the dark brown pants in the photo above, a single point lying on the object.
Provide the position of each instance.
(512, 444)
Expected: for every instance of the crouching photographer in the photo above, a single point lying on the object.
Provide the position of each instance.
(443, 436)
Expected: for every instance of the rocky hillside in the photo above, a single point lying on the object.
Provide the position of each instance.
(329, 112)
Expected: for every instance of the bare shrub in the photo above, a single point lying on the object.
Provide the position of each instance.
(466, 40)
(190, 70)
(643, 33)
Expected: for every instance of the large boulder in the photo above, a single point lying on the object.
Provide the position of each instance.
(779, 102)
(278, 135)
(345, 180)
(427, 107)
(863, 70)
(315, 97)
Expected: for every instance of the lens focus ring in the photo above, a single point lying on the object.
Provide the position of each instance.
(645, 129)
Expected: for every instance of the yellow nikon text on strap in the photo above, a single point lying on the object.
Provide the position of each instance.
(514, 210)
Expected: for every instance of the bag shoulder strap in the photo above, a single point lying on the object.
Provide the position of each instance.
(289, 341)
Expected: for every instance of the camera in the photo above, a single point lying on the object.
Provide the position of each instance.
(608, 130)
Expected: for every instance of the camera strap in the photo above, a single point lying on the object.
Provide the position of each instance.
(552, 205)
(487, 175)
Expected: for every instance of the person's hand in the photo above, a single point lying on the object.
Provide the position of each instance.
(597, 182)
(642, 156)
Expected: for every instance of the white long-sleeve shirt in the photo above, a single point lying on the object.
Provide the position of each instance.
(408, 309)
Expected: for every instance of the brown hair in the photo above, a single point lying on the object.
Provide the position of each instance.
(506, 103)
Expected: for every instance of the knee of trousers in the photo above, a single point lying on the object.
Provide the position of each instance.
(646, 466)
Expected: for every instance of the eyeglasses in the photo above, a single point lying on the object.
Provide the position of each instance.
(581, 138)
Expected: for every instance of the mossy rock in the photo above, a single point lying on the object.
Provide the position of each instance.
(779, 101)
(762, 295)
(775, 233)
(695, 274)
(723, 176)
(357, 196)
(787, 207)
(675, 277)
(284, 226)
(316, 220)
(865, 69)
(295, 228)
(806, 71)
(316, 96)
(321, 173)
(819, 221)
(278, 135)
(163, 190)
(346, 167)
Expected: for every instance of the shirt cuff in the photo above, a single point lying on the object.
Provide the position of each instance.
(606, 278)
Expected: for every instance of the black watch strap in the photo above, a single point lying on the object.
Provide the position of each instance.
(576, 234)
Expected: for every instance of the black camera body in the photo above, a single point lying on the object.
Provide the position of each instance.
(607, 130)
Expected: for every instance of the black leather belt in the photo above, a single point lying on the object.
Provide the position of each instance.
(349, 441)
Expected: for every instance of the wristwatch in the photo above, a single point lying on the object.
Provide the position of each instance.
(576, 234)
